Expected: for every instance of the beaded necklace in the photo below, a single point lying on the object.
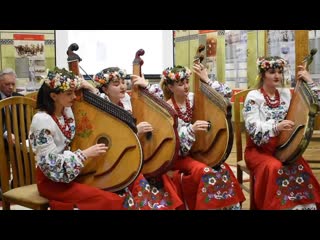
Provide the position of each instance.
(65, 129)
(188, 115)
(272, 103)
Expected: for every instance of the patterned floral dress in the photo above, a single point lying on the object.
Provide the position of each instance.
(57, 167)
(202, 187)
(153, 193)
(276, 185)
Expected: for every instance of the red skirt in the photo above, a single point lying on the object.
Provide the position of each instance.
(202, 187)
(139, 195)
(278, 186)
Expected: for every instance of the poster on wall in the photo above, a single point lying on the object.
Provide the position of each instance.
(29, 58)
(211, 52)
(236, 58)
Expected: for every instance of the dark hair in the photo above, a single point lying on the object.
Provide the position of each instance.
(107, 70)
(101, 81)
(44, 100)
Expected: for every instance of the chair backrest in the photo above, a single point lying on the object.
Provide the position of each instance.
(17, 160)
(238, 99)
(32, 95)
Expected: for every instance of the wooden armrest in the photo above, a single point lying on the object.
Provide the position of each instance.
(243, 166)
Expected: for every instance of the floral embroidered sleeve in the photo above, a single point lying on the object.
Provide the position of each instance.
(221, 87)
(186, 136)
(59, 166)
(185, 132)
(259, 128)
(156, 90)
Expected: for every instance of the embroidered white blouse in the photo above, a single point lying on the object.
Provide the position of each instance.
(51, 147)
(185, 131)
(261, 120)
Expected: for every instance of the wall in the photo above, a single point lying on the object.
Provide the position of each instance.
(8, 51)
(104, 48)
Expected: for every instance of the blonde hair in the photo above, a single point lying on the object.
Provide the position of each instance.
(167, 93)
(265, 63)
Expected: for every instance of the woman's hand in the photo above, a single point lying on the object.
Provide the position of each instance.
(200, 125)
(201, 71)
(144, 127)
(95, 150)
(86, 85)
(285, 125)
(12, 138)
(139, 81)
(304, 75)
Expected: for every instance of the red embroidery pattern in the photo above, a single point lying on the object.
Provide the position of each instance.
(84, 126)
(294, 184)
(65, 129)
(217, 184)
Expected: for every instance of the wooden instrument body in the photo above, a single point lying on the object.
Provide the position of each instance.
(161, 147)
(100, 121)
(302, 111)
(214, 146)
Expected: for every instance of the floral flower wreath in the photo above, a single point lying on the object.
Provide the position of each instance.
(109, 74)
(264, 63)
(62, 79)
(175, 74)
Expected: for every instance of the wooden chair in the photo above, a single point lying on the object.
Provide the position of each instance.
(238, 126)
(312, 153)
(17, 163)
(32, 95)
